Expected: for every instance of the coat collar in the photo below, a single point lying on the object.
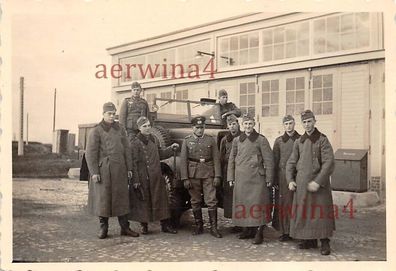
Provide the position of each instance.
(145, 139)
(313, 137)
(230, 137)
(286, 137)
(252, 137)
(107, 126)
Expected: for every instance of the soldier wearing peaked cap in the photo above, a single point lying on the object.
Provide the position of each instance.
(200, 171)
(131, 109)
(109, 162)
(310, 181)
(283, 147)
(227, 108)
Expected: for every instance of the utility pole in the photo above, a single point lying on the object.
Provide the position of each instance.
(20, 137)
(53, 123)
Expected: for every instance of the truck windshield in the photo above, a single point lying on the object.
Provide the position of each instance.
(179, 110)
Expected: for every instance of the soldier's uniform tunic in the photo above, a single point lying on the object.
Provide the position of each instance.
(200, 163)
(132, 109)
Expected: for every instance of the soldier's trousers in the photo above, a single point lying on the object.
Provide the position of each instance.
(206, 187)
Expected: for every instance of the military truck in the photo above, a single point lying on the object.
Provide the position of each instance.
(171, 119)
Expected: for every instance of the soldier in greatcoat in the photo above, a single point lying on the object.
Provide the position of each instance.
(200, 172)
(109, 162)
(283, 147)
(133, 108)
(250, 169)
(148, 195)
(227, 108)
(308, 173)
(225, 150)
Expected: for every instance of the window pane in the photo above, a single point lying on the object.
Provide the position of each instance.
(317, 81)
(253, 40)
(290, 109)
(278, 51)
(333, 24)
(224, 45)
(251, 111)
(243, 57)
(289, 97)
(300, 83)
(319, 28)
(290, 84)
(267, 52)
(266, 98)
(348, 41)
(243, 100)
(265, 111)
(332, 43)
(317, 108)
(328, 108)
(319, 45)
(317, 95)
(327, 94)
(267, 37)
(302, 48)
(273, 110)
(347, 23)
(275, 98)
(266, 86)
(243, 88)
(279, 34)
(274, 85)
(290, 49)
(328, 80)
(234, 43)
(291, 34)
(300, 96)
(243, 42)
(299, 109)
(303, 31)
(253, 55)
(251, 87)
(251, 99)
(363, 39)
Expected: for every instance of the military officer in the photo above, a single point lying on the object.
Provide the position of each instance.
(283, 147)
(109, 162)
(200, 171)
(131, 109)
(308, 173)
(227, 108)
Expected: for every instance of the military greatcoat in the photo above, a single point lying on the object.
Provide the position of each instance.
(251, 167)
(283, 148)
(312, 159)
(225, 150)
(108, 154)
(154, 205)
(131, 109)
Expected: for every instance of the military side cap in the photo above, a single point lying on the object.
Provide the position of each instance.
(287, 118)
(109, 106)
(307, 114)
(247, 117)
(136, 85)
(198, 121)
(222, 92)
(142, 120)
(231, 118)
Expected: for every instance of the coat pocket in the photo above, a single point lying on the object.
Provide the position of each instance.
(192, 167)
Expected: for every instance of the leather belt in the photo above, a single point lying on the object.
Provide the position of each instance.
(200, 160)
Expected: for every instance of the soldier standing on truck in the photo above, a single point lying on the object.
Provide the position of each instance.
(200, 172)
(283, 148)
(227, 108)
(133, 108)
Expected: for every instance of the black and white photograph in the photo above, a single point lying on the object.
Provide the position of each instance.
(213, 135)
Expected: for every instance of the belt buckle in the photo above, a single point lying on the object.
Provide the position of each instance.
(201, 160)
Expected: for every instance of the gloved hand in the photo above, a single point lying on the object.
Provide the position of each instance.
(136, 185)
(130, 175)
(292, 186)
(231, 183)
(187, 184)
(175, 146)
(313, 186)
(269, 184)
(216, 181)
(96, 178)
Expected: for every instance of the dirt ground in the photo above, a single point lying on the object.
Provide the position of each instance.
(51, 224)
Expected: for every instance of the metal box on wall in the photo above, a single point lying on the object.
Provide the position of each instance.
(350, 172)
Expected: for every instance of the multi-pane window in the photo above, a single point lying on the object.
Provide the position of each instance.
(322, 95)
(156, 63)
(131, 73)
(242, 49)
(295, 92)
(150, 98)
(270, 98)
(166, 95)
(286, 41)
(341, 32)
(247, 97)
(186, 56)
(181, 108)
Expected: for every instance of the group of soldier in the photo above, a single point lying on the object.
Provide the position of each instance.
(298, 169)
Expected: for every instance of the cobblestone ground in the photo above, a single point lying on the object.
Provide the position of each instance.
(51, 224)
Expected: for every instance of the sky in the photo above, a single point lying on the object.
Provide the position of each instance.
(57, 44)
